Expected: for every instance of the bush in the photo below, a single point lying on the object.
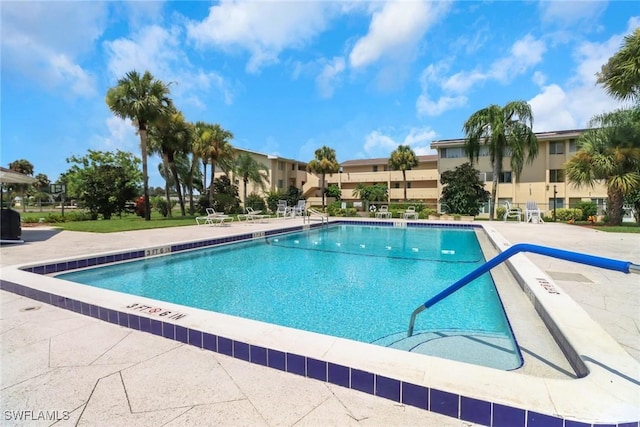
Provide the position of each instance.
(162, 206)
(568, 214)
(140, 211)
(500, 211)
(588, 209)
(427, 211)
(255, 201)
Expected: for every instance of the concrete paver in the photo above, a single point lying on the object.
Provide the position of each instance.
(102, 374)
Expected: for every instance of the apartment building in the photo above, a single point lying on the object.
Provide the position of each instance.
(543, 181)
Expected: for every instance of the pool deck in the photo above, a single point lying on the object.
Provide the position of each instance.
(96, 373)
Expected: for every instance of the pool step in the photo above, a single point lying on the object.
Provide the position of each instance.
(471, 347)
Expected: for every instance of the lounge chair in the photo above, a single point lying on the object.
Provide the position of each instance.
(253, 215)
(533, 213)
(410, 213)
(383, 212)
(213, 218)
(511, 212)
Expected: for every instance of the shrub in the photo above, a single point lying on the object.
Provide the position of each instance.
(427, 211)
(588, 209)
(162, 206)
(140, 211)
(255, 201)
(500, 211)
(568, 214)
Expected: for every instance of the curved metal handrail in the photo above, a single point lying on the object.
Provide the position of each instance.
(323, 217)
(595, 261)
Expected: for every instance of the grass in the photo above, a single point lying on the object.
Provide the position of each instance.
(115, 224)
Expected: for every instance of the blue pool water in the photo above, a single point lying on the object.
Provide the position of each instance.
(355, 282)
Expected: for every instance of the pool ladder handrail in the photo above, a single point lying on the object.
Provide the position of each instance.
(594, 261)
(311, 211)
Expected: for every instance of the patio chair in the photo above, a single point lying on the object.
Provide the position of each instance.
(213, 218)
(283, 209)
(383, 212)
(511, 212)
(533, 213)
(253, 215)
(300, 208)
(410, 213)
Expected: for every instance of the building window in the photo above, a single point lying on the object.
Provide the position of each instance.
(505, 177)
(396, 185)
(452, 153)
(573, 145)
(280, 166)
(556, 147)
(293, 166)
(409, 184)
(375, 168)
(485, 176)
(556, 175)
(280, 183)
(559, 203)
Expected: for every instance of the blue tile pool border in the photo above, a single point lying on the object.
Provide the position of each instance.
(439, 401)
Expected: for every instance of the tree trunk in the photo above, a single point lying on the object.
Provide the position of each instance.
(145, 173)
(614, 207)
(244, 200)
(176, 179)
(167, 191)
(404, 180)
(494, 190)
(213, 174)
(323, 192)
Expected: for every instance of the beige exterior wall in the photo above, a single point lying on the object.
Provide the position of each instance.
(536, 182)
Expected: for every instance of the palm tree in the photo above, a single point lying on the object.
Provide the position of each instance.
(171, 135)
(324, 162)
(403, 158)
(505, 131)
(610, 152)
(41, 185)
(142, 99)
(25, 167)
(250, 170)
(216, 148)
(621, 74)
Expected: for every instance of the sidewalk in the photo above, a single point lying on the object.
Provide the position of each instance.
(88, 372)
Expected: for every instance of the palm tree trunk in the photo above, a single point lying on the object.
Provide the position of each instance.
(323, 192)
(145, 173)
(494, 191)
(167, 192)
(404, 180)
(176, 179)
(614, 206)
(244, 200)
(204, 175)
(213, 174)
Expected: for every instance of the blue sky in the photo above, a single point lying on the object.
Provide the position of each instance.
(289, 77)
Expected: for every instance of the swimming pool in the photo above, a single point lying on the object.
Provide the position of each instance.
(355, 282)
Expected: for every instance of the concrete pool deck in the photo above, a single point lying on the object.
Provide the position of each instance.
(103, 374)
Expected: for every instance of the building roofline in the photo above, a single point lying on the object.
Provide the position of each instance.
(541, 135)
(384, 160)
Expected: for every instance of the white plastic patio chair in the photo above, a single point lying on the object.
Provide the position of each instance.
(512, 212)
(383, 212)
(533, 213)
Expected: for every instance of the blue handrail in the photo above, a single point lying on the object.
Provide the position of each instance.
(595, 261)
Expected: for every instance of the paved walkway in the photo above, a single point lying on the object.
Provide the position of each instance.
(54, 360)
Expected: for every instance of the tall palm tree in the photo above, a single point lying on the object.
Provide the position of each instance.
(142, 99)
(25, 167)
(250, 170)
(403, 158)
(216, 148)
(621, 74)
(324, 162)
(610, 152)
(171, 135)
(505, 131)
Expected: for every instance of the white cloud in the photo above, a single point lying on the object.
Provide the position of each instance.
(525, 53)
(395, 30)
(567, 13)
(159, 49)
(427, 107)
(572, 105)
(34, 46)
(121, 135)
(329, 76)
(378, 144)
(264, 29)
